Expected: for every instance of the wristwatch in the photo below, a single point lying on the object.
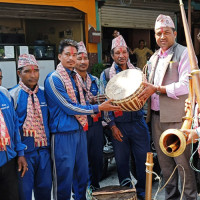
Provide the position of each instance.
(157, 90)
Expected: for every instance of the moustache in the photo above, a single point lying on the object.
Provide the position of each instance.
(83, 65)
(121, 59)
(71, 62)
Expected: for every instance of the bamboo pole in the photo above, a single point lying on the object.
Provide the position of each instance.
(195, 72)
(149, 169)
(189, 15)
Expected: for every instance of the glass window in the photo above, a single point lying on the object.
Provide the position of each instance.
(7, 52)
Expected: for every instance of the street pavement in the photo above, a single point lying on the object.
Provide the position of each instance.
(112, 179)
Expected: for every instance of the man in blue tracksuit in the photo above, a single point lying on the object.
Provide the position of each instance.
(11, 149)
(31, 108)
(68, 123)
(89, 84)
(129, 129)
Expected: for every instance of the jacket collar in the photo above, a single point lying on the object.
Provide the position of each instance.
(91, 77)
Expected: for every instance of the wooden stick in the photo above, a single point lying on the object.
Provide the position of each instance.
(149, 169)
(113, 192)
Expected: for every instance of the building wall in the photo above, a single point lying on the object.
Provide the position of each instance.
(87, 6)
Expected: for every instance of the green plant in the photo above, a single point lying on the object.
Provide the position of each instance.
(97, 69)
(2, 52)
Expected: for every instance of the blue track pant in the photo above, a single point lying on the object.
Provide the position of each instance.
(95, 153)
(136, 139)
(38, 177)
(69, 154)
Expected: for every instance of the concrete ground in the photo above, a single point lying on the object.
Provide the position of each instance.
(112, 179)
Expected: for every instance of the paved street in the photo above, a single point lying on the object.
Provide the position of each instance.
(111, 179)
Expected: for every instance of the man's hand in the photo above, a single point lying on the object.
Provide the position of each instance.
(22, 165)
(187, 105)
(190, 105)
(107, 106)
(147, 92)
(116, 133)
(98, 99)
(192, 135)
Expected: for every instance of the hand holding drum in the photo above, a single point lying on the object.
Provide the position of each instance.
(149, 89)
(98, 99)
(107, 106)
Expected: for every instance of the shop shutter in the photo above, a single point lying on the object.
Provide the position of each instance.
(126, 17)
(40, 12)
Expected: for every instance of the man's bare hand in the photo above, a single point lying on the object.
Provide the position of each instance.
(116, 133)
(187, 105)
(192, 135)
(22, 165)
(147, 92)
(107, 106)
(98, 99)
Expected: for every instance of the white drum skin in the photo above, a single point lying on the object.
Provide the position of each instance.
(124, 89)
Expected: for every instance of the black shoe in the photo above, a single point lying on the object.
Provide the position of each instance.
(139, 197)
(92, 188)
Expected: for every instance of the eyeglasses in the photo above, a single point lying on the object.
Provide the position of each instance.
(1, 77)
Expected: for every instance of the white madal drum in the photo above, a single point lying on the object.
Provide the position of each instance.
(124, 89)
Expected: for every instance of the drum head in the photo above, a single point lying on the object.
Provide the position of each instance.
(124, 84)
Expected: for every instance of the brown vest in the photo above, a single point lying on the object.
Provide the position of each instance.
(171, 110)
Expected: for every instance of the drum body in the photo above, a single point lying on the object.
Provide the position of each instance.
(115, 193)
(124, 89)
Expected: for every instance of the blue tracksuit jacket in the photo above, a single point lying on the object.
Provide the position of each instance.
(94, 90)
(12, 124)
(20, 98)
(61, 107)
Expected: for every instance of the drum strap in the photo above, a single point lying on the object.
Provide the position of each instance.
(107, 74)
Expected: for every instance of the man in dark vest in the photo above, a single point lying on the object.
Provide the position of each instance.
(168, 87)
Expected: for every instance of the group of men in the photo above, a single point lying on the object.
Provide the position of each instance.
(61, 110)
(69, 111)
